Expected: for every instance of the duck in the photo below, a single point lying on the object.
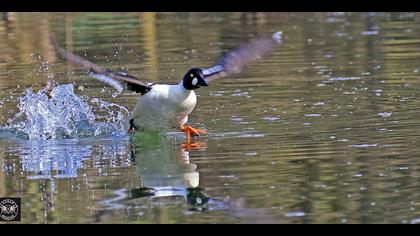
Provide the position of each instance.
(163, 106)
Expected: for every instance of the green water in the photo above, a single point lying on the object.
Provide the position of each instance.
(325, 130)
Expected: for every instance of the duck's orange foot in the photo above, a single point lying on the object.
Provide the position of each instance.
(190, 131)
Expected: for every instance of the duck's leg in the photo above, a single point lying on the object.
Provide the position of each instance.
(190, 131)
(132, 128)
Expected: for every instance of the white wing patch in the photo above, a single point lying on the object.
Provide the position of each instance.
(194, 81)
(107, 80)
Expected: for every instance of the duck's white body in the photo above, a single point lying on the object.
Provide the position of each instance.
(163, 107)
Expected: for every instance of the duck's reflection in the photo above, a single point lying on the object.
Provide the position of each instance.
(167, 177)
(165, 169)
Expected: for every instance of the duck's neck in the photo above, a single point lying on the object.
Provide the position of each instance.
(182, 87)
(183, 90)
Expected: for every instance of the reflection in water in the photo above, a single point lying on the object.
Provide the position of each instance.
(166, 168)
(55, 159)
(165, 171)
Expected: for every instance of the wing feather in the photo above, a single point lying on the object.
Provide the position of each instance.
(117, 80)
(234, 61)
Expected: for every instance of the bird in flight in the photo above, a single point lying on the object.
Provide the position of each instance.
(162, 106)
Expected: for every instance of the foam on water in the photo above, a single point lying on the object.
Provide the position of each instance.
(59, 113)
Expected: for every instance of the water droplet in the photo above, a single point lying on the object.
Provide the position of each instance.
(271, 118)
(385, 114)
(295, 214)
(343, 78)
(371, 32)
(363, 145)
(313, 115)
(253, 153)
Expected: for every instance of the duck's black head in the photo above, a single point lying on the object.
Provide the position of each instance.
(193, 79)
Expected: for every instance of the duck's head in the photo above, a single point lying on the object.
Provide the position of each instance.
(194, 79)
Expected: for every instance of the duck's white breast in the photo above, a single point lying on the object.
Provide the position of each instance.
(164, 106)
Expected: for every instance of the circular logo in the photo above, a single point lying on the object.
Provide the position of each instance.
(8, 210)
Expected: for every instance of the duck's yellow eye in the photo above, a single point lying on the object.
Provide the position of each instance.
(191, 75)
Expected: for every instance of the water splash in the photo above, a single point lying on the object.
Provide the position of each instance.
(59, 113)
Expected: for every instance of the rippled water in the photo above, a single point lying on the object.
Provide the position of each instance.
(325, 130)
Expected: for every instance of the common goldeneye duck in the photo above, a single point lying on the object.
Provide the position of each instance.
(164, 106)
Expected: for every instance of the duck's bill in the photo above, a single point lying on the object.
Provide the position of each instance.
(202, 82)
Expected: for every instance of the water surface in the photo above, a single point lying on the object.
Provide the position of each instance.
(325, 130)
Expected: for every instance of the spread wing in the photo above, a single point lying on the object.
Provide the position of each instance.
(117, 80)
(234, 61)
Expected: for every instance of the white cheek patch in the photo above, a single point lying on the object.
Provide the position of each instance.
(194, 81)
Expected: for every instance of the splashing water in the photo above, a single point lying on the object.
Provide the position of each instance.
(59, 113)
